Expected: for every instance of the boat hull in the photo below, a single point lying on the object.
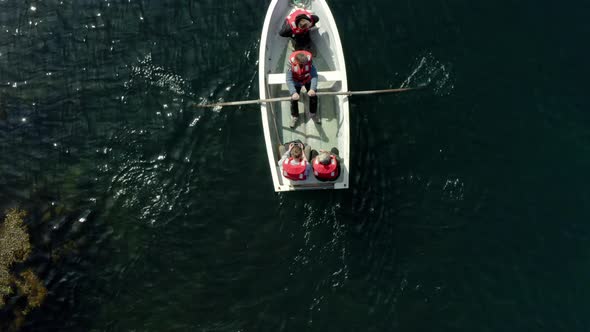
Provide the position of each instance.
(333, 132)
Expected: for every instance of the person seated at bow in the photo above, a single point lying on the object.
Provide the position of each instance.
(326, 165)
(293, 163)
(297, 26)
(301, 72)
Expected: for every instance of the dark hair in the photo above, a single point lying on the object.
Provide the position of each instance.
(324, 158)
(296, 152)
(302, 17)
(301, 58)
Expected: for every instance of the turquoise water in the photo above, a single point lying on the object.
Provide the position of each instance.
(468, 202)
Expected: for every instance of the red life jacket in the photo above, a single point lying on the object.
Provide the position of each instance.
(301, 74)
(294, 172)
(326, 172)
(292, 20)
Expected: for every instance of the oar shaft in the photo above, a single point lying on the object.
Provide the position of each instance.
(244, 102)
(327, 93)
(364, 92)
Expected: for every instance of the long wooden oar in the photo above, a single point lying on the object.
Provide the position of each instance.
(329, 93)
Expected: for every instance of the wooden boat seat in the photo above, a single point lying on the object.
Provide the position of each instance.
(323, 76)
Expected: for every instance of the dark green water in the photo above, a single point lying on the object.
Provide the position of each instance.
(468, 207)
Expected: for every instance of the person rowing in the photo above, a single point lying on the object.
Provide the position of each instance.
(302, 73)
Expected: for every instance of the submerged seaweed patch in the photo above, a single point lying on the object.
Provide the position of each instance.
(15, 247)
(31, 286)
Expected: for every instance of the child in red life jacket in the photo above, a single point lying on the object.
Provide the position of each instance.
(301, 72)
(297, 26)
(326, 165)
(294, 164)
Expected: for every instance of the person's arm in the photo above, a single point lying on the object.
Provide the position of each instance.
(290, 83)
(331, 154)
(286, 155)
(286, 31)
(314, 79)
(304, 155)
(315, 19)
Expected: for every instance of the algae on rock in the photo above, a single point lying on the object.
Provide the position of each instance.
(30, 285)
(15, 247)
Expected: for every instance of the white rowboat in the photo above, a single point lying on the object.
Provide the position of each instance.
(333, 110)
